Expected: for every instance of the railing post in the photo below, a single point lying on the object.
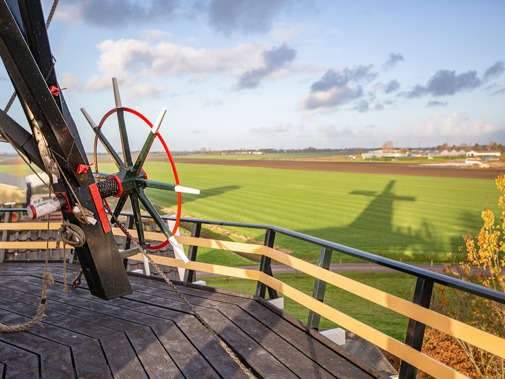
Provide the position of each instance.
(5, 235)
(266, 268)
(127, 243)
(324, 261)
(415, 331)
(189, 275)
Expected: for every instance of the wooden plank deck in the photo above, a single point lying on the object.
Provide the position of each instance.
(151, 333)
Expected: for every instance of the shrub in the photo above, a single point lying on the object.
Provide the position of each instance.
(484, 264)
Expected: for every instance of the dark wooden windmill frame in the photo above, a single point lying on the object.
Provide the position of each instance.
(26, 54)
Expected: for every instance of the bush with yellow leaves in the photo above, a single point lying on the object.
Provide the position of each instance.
(484, 264)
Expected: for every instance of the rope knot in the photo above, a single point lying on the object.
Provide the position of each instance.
(48, 278)
(70, 234)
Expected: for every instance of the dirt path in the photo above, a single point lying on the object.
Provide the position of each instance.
(355, 167)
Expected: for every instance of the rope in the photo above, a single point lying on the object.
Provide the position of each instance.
(48, 278)
(77, 279)
(181, 296)
(51, 13)
(82, 213)
(69, 234)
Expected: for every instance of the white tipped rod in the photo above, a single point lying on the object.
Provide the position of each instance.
(178, 251)
(157, 124)
(117, 98)
(183, 189)
(88, 117)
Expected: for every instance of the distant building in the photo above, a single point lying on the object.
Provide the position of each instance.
(385, 154)
(473, 161)
(474, 153)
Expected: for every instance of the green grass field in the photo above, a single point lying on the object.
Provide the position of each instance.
(412, 218)
(383, 319)
(415, 219)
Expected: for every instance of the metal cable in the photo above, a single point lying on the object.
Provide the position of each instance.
(223, 344)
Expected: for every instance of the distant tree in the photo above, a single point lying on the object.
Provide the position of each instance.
(359, 151)
(464, 146)
(492, 146)
(388, 146)
(444, 146)
(404, 150)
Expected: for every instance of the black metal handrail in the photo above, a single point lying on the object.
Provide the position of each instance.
(445, 280)
(423, 290)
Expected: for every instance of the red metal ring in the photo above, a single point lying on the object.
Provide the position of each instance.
(167, 151)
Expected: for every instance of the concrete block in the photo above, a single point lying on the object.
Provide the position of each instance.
(336, 335)
(279, 302)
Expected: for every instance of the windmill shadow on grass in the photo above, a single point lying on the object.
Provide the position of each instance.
(373, 229)
(381, 208)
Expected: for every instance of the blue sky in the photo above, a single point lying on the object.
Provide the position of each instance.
(285, 74)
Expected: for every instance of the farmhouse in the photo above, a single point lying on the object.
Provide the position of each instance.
(474, 153)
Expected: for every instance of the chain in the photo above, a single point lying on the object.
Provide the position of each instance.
(181, 296)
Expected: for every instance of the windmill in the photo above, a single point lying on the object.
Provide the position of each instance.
(53, 144)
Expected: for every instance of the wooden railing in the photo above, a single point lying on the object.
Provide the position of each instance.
(417, 311)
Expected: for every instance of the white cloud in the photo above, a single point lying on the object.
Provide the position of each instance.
(129, 58)
(68, 80)
(143, 91)
(277, 129)
(329, 99)
(212, 102)
(156, 35)
(354, 132)
(455, 125)
(284, 34)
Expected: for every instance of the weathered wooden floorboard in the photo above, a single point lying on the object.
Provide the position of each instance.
(211, 349)
(186, 357)
(297, 362)
(311, 357)
(216, 294)
(55, 359)
(19, 363)
(150, 351)
(182, 351)
(152, 333)
(310, 346)
(86, 352)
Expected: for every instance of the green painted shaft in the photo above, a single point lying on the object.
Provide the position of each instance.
(154, 214)
(157, 185)
(117, 160)
(143, 153)
(127, 157)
